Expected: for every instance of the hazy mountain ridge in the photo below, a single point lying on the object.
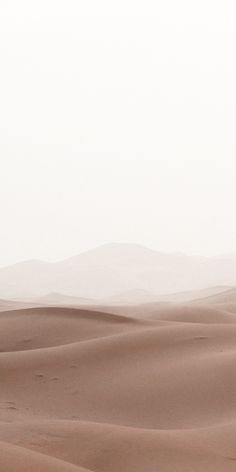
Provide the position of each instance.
(112, 269)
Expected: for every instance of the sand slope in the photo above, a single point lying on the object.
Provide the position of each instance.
(104, 392)
(14, 458)
(46, 327)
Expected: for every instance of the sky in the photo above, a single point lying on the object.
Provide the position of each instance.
(117, 123)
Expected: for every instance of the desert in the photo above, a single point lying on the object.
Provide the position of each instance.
(117, 236)
(111, 386)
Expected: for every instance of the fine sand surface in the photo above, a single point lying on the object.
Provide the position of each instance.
(142, 388)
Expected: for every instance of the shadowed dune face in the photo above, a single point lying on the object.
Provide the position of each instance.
(142, 388)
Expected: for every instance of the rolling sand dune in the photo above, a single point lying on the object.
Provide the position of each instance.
(9, 305)
(14, 458)
(144, 388)
(225, 297)
(136, 297)
(35, 328)
(189, 313)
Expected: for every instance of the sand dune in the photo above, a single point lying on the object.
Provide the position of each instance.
(103, 447)
(137, 297)
(150, 387)
(97, 380)
(46, 326)
(224, 297)
(9, 305)
(178, 312)
(194, 295)
(14, 458)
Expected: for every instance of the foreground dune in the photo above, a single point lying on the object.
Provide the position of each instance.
(46, 327)
(102, 447)
(149, 388)
(14, 458)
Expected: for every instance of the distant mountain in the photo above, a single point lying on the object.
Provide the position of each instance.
(132, 297)
(54, 299)
(113, 269)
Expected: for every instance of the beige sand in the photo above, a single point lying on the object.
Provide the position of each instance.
(151, 388)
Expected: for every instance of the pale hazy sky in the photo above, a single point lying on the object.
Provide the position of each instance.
(118, 123)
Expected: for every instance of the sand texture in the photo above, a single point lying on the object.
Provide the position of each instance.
(142, 388)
